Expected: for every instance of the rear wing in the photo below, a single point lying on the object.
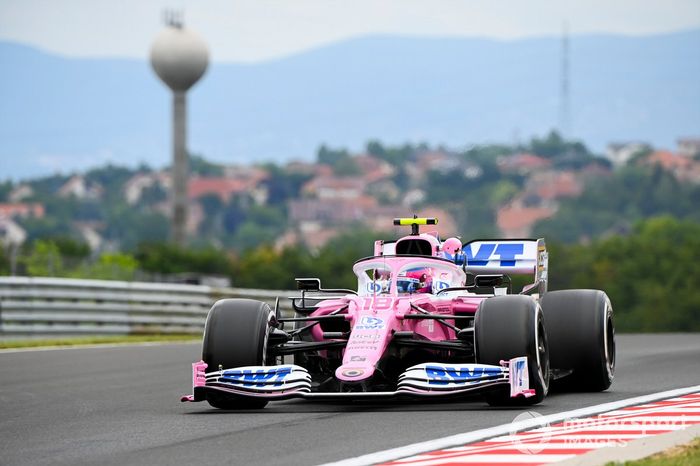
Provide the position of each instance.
(508, 256)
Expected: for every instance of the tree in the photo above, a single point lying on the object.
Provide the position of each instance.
(44, 260)
(651, 275)
(330, 156)
(202, 167)
(613, 204)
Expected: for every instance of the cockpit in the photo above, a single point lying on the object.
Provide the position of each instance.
(401, 276)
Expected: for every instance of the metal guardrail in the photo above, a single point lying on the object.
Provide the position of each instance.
(37, 305)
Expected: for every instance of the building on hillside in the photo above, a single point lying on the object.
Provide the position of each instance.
(329, 212)
(324, 218)
(522, 163)
(137, 184)
(683, 168)
(20, 192)
(21, 210)
(689, 147)
(225, 188)
(334, 187)
(90, 232)
(516, 220)
(373, 169)
(439, 161)
(549, 186)
(414, 197)
(11, 234)
(538, 201)
(619, 153)
(246, 173)
(78, 187)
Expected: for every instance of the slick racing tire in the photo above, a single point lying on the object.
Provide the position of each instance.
(235, 335)
(581, 337)
(507, 327)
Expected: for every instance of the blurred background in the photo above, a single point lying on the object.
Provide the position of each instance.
(318, 121)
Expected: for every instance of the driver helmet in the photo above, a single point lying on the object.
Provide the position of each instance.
(451, 246)
(407, 284)
(422, 278)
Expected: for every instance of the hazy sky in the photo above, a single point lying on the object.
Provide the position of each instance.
(254, 30)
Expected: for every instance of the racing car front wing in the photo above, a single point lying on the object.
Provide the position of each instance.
(429, 379)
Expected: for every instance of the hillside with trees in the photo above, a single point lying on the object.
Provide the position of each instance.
(630, 228)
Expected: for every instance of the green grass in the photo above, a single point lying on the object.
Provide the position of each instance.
(95, 340)
(684, 455)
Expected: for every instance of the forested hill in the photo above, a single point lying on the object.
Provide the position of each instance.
(59, 112)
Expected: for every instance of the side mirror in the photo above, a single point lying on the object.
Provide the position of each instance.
(489, 281)
(308, 284)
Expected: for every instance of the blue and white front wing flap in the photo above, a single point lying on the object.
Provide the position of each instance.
(261, 381)
(437, 379)
(442, 379)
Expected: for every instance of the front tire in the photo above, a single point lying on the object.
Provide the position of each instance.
(581, 336)
(235, 335)
(507, 327)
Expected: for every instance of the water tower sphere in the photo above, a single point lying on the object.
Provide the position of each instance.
(179, 57)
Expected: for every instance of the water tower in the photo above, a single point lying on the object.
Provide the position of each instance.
(179, 57)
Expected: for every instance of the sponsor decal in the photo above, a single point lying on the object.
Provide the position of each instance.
(379, 302)
(352, 372)
(256, 377)
(439, 285)
(487, 252)
(443, 375)
(519, 377)
(374, 287)
(362, 347)
(365, 336)
(370, 323)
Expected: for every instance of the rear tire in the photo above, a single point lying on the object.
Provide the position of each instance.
(507, 327)
(581, 336)
(235, 335)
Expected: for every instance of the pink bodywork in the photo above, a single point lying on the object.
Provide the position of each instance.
(374, 319)
(198, 378)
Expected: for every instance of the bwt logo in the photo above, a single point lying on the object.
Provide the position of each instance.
(257, 377)
(506, 253)
(370, 323)
(443, 375)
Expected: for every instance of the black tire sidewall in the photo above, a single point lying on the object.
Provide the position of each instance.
(581, 333)
(507, 327)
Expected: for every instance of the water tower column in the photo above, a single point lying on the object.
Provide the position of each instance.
(180, 166)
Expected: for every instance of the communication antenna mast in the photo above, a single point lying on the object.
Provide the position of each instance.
(564, 96)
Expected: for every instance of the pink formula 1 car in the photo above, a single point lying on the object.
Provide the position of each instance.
(430, 318)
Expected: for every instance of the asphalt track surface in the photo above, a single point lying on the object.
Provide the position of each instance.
(121, 406)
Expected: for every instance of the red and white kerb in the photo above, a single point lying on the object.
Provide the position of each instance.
(570, 438)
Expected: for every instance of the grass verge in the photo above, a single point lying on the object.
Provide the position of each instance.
(95, 340)
(683, 455)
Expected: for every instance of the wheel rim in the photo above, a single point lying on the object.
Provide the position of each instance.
(542, 354)
(609, 343)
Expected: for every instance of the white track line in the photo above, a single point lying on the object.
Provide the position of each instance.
(98, 345)
(504, 429)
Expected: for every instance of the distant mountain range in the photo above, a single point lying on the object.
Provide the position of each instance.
(59, 113)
